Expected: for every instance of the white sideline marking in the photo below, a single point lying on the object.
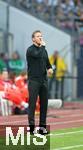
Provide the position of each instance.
(68, 147)
(65, 133)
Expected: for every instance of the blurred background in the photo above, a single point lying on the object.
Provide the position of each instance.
(61, 22)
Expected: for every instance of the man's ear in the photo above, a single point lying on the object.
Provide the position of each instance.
(33, 39)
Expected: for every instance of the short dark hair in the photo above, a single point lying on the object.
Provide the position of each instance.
(33, 34)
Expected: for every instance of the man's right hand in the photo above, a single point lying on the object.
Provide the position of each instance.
(43, 43)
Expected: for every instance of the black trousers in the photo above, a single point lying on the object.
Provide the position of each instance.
(38, 88)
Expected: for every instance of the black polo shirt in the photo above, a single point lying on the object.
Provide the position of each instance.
(37, 62)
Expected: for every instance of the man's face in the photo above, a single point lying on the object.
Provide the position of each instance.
(37, 38)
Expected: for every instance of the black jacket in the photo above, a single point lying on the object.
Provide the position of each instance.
(37, 62)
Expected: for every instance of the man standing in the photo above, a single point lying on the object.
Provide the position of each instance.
(38, 67)
(60, 68)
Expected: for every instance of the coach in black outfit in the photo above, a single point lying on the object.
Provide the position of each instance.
(38, 67)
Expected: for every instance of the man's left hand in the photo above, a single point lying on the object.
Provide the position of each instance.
(50, 71)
